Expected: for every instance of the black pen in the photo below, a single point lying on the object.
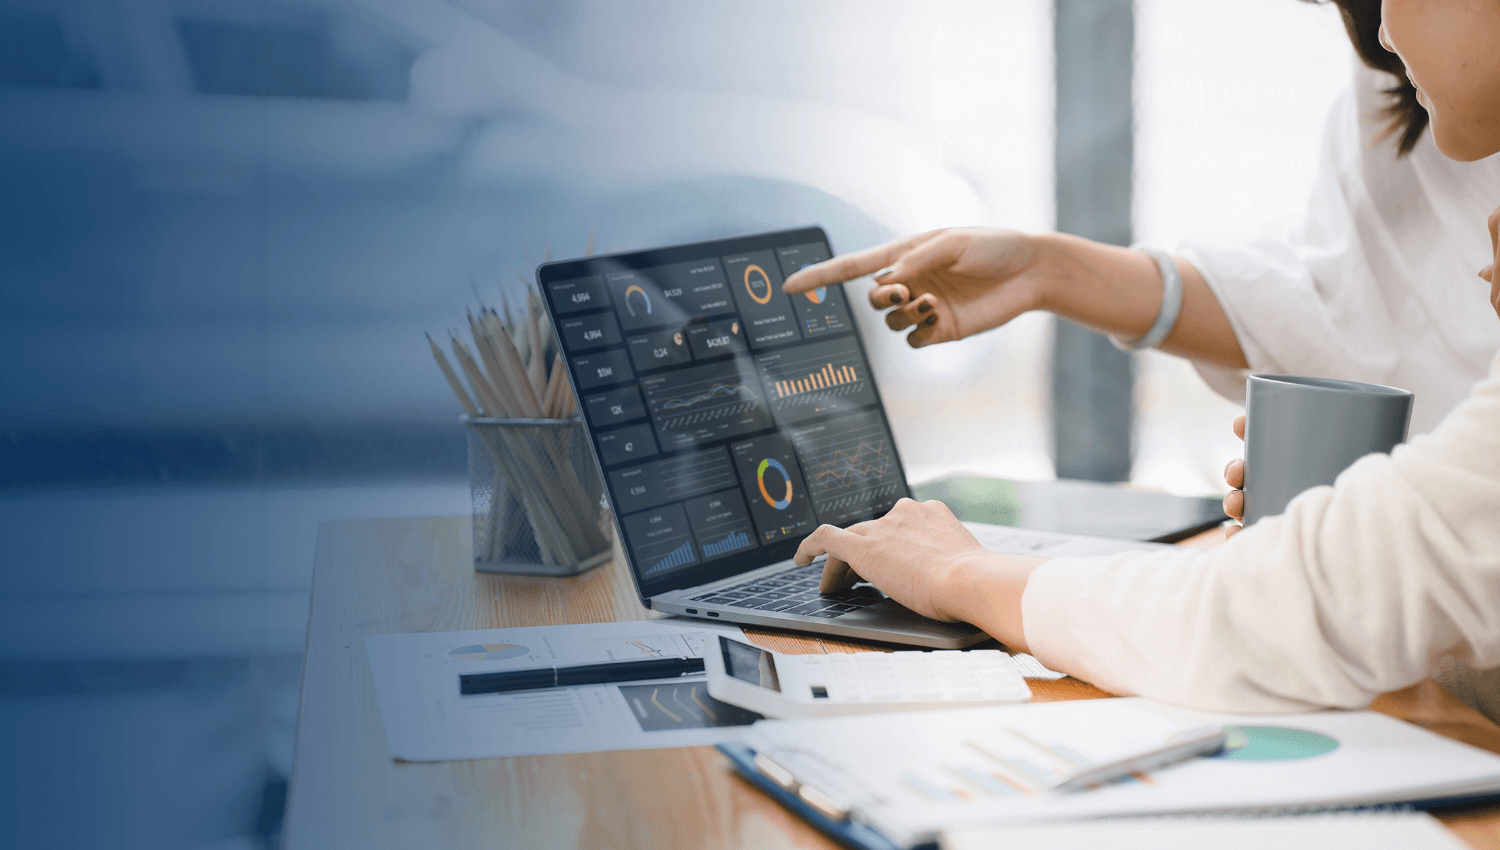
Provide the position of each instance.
(581, 674)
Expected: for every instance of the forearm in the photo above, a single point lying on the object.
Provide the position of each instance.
(1355, 590)
(984, 589)
(1118, 291)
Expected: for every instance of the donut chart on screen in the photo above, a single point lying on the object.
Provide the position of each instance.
(765, 280)
(760, 477)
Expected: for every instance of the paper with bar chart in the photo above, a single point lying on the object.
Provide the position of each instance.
(816, 379)
(850, 467)
(426, 719)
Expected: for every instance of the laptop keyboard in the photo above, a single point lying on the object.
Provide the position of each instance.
(794, 591)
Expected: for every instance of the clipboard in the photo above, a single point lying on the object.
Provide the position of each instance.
(1342, 760)
(849, 833)
(860, 836)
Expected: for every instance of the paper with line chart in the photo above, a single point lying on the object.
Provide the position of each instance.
(416, 684)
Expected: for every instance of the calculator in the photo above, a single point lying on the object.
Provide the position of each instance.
(780, 685)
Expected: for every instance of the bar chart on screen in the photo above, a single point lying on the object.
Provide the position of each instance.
(720, 523)
(821, 379)
(814, 380)
(660, 539)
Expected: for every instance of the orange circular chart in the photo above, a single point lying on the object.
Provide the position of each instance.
(764, 283)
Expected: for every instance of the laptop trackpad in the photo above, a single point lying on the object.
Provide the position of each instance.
(888, 614)
(886, 610)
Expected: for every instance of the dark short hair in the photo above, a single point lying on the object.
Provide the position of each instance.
(1407, 118)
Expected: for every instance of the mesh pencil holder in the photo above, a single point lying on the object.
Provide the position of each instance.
(536, 497)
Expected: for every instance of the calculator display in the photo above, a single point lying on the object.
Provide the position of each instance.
(750, 664)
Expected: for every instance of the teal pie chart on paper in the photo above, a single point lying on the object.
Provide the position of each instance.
(1273, 743)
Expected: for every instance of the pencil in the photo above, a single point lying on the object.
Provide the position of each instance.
(477, 380)
(499, 376)
(526, 396)
(550, 401)
(454, 383)
(536, 362)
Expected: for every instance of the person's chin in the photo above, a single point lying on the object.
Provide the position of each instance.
(1462, 147)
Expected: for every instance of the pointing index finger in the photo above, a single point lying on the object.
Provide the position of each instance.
(849, 266)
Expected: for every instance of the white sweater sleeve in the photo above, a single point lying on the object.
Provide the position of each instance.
(1356, 590)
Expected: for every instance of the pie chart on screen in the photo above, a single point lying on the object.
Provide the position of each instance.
(488, 651)
(817, 296)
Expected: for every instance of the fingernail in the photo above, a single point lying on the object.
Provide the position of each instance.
(883, 272)
(924, 307)
(931, 320)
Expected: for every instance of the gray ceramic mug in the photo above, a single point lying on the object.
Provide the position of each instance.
(1302, 432)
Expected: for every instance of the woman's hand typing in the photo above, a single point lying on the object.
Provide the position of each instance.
(920, 555)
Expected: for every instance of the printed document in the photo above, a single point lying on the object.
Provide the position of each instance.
(416, 684)
(910, 776)
(1367, 830)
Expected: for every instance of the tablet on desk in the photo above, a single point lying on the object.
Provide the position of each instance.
(1076, 507)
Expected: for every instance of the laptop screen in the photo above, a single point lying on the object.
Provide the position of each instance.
(729, 418)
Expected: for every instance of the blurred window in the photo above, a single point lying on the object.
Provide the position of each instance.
(34, 53)
(1231, 101)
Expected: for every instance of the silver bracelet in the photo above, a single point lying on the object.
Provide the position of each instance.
(1171, 303)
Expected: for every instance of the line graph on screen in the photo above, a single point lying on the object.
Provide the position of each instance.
(850, 466)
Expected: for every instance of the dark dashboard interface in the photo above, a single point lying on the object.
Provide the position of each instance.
(730, 419)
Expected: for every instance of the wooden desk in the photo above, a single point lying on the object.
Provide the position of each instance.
(415, 575)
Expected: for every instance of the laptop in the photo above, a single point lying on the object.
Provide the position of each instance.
(729, 420)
